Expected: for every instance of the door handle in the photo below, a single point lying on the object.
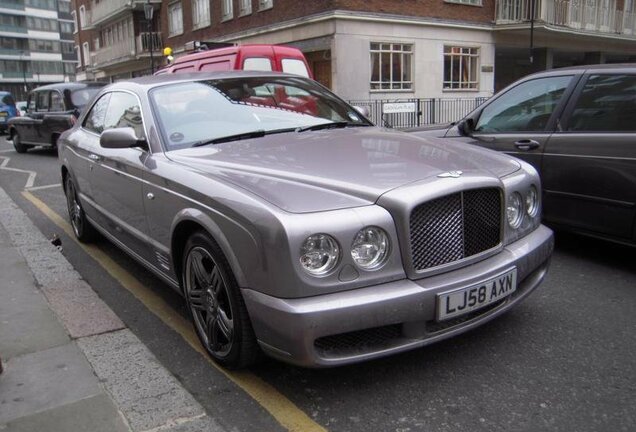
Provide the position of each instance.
(526, 144)
(94, 157)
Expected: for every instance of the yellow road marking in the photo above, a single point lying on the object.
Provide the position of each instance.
(281, 408)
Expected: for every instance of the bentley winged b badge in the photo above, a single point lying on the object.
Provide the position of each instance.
(450, 174)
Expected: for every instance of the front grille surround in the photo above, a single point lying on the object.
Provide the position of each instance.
(455, 229)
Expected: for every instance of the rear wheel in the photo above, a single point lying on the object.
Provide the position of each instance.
(17, 143)
(84, 231)
(216, 305)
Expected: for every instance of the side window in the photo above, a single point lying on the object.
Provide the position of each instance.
(524, 108)
(607, 104)
(42, 101)
(124, 111)
(95, 118)
(57, 103)
(257, 64)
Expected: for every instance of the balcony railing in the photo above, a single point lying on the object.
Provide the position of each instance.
(111, 8)
(127, 50)
(599, 16)
(121, 51)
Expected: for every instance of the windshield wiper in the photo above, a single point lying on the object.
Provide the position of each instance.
(241, 136)
(237, 137)
(321, 126)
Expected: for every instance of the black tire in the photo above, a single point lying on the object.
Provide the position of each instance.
(215, 304)
(84, 231)
(17, 143)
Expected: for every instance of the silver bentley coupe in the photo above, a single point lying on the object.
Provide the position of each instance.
(293, 226)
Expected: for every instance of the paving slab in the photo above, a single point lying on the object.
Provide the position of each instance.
(80, 309)
(26, 322)
(94, 414)
(47, 379)
(147, 394)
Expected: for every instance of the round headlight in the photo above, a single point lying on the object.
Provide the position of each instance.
(532, 201)
(370, 247)
(319, 254)
(514, 210)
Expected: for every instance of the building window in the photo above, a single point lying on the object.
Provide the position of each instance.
(79, 58)
(74, 15)
(227, 11)
(175, 19)
(467, 2)
(200, 13)
(66, 27)
(245, 7)
(461, 68)
(86, 53)
(67, 48)
(391, 66)
(64, 6)
(265, 4)
(82, 17)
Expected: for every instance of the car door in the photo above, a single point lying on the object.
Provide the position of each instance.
(116, 178)
(520, 120)
(42, 100)
(56, 120)
(589, 167)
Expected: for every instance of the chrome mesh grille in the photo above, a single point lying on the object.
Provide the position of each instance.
(454, 227)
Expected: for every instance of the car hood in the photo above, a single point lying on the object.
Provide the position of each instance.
(332, 169)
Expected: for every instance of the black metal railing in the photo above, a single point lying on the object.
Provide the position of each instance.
(419, 111)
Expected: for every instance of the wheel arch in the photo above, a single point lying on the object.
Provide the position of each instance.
(189, 221)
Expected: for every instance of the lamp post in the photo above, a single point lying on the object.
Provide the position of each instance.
(148, 13)
(23, 66)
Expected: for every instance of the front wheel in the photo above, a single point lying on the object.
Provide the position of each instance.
(17, 143)
(216, 305)
(84, 231)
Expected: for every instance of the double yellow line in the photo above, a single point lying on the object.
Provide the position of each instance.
(281, 408)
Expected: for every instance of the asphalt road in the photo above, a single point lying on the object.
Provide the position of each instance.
(564, 360)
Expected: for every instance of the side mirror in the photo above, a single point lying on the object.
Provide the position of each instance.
(362, 110)
(124, 137)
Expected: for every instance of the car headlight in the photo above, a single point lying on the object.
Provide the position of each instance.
(514, 210)
(532, 201)
(370, 247)
(319, 254)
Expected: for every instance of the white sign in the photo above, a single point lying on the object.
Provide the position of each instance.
(398, 107)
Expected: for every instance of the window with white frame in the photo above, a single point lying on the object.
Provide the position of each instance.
(391, 66)
(461, 68)
(74, 15)
(86, 53)
(175, 19)
(245, 7)
(200, 13)
(468, 2)
(227, 11)
(265, 4)
(82, 17)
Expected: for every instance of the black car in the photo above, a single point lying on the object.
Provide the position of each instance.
(577, 127)
(51, 109)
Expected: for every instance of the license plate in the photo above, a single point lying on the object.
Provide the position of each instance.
(3, 114)
(465, 300)
(2, 119)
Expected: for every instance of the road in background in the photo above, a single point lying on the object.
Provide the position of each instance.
(563, 360)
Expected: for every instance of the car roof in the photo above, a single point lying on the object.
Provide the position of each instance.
(611, 67)
(150, 81)
(71, 85)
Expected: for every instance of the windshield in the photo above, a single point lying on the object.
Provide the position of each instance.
(198, 112)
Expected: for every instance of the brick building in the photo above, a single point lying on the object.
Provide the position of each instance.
(381, 49)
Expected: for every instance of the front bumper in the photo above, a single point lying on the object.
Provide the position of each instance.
(380, 320)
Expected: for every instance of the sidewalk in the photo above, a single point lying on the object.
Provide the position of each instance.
(70, 364)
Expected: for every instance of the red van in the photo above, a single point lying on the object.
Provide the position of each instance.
(243, 57)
